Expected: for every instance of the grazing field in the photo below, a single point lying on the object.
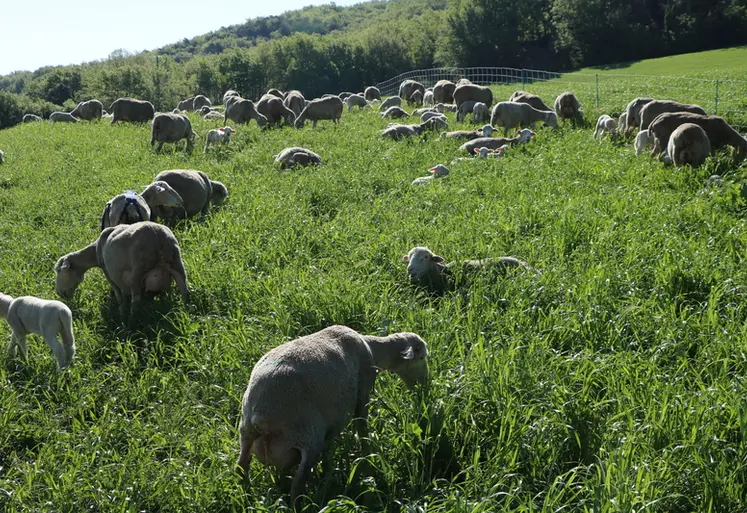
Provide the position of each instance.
(611, 380)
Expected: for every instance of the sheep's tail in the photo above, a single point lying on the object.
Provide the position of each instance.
(68, 339)
(104, 217)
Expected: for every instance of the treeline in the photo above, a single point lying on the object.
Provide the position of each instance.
(330, 48)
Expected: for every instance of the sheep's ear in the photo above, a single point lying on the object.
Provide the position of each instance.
(533, 133)
(406, 258)
(439, 259)
(65, 266)
(432, 170)
(408, 354)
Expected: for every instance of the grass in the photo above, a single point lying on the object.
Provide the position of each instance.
(611, 381)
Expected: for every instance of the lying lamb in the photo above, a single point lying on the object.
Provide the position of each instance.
(29, 314)
(195, 188)
(523, 136)
(303, 393)
(397, 132)
(644, 139)
(290, 157)
(485, 131)
(136, 259)
(218, 135)
(485, 153)
(605, 124)
(437, 171)
(688, 144)
(430, 271)
(394, 113)
(522, 115)
(433, 114)
(445, 107)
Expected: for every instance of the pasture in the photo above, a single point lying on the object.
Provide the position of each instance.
(613, 380)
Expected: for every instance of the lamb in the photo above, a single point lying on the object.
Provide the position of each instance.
(131, 207)
(356, 100)
(443, 91)
(428, 99)
(392, 101)
(605, 124)
(195, 188)
(219, 135)
(397, 132)
(136, 259)
(633, 111)
(622, 123)
(28, 118)
(290, 157)
(436, 171)
(423, 110)
(129, 109)
(464, 109)
(320, 109)
(201, 101)
(243, 111)
(27, 314)
(407, 87)
(485, 131)
(567, 106)
(416, 98)
(688, 144)
(512, 114)
(90, 110)
(273, 108)
(532, 99)
(395, 113)
(432, 114)
(372, 93)
(214, 114)
(441, 107)
(473, 92)
(522, 137)
(643, 140)
(719, 132)
(480, 113)
(485, 153)
(652, 109)
(295, 101)
(62, 117)
(172, 128)
(303, 393)
(430, 271)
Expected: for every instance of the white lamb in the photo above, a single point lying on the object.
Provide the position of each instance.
(218, 135)
(643, 140)
(29, 314)
(622, 123)
(605, 124)
(436, 171)
(480, 113)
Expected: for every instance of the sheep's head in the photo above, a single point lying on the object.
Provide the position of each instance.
(228, 130)
(411, 364)
(220, 193)
(487, 130)
(68, 277)
(439, 170)
(161, 193)
(525, 135)
(421, 261)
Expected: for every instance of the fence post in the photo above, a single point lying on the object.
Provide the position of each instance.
(596, 79)
(716, 108)
(523, 79)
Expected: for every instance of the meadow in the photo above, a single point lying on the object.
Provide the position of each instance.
(612, 380)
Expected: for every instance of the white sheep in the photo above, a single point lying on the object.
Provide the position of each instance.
(485, 153)
(428, 98)
(29, 314)
(480, 113)
(437, 171)
(218, 135)
(303, 393)
(622, 123)
(392, 101)
(195, 188)
(291, 157)
(644, 139)
(606, 124)
(214, 114)
(394, 113)
(511, 115)
(356, 100)
(688, 144)
(485, 131)
(445, 107)
(432, 114)
(522, 137)
(131, 207)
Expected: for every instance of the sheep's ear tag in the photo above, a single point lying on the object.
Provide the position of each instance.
(533, 133)
(408, 354)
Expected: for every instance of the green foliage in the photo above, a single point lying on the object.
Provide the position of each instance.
(14, 106)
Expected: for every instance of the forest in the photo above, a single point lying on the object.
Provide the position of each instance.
(331, 48)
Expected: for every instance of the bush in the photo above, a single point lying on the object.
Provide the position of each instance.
(14, 106)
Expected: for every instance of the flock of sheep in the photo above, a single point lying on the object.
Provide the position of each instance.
(302, 394)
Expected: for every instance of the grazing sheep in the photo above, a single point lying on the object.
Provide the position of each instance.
(407, 87)
(218, 135)
(187, 105)
(430, 271)
(273, 108)
(423, 110)
(295, 101)
(532, 99)
(605, 124)
(622, 123)
(443, 91)
(231, 100)
(28, 118)
(90, 110)
(485, 131)
(344, 95)
(356, 100)
(130, 207)
(719, 132)
(172, 128)
(201, 101)
(394, 113)
(229, 94)
(437, 171)
(524, 136)
(160, 194)
(652, 109)
(243, 111)
(688, 144)
(195, 188)
(464, 109)
(136, 259)
(511, 115)
(480, 113)
(303, 393)
(643, 140)
(432, 114)
(567, 106)
(129, 109)
(397, 132)
(62, 117)
(290, 157)
(473, 92)
(275, 92)
(633, 111)
(27, 314)
(214, 114)
(428, 99)
(372, 93)
(416, 98)
(441, 107)
(392, 101)
(321, 109)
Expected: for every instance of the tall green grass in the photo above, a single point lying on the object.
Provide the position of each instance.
(612, 380)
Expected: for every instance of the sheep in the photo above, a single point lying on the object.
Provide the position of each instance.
(532, 99)
(131, 207)
(243, 111)
(633, 111)
(605, 124)
(652, 109)
(643, 140)
(372, 93)
(129, 109)
(177, 111)
(473, 92)
(394, 113)
(320, 109)
(437, 171)
(62, 117)
(443, 91)
(344, 95)
(432, 114)
(204, 109)
(292, 413)
(423, 110)
(195, 188)
(295, 101)
(397, 132)
(172, 128)
(428, 99)
(230, 100)
(219, 135)
(442, 107)
(27, 314)
(484, 153)
(201, 101)
(464, 109)
(228, 94)
(392, 101)
(512, 114)
(275, 92)
(480, 113)
(290, 157)
(522, 137)
(719, 132)
(428, 270)
(356, 100)
(567, 106)
(273, 108)
(416, 98)
(214, 114)
(187, 105)
(135, 258)
(463, 81)
(622, 123)
(407, 87)
(28, 118)
(90, 110)
(688, 144)
(485, 131)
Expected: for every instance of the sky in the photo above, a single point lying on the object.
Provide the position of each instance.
(59, 32)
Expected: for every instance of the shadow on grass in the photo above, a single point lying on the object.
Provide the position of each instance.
(619, 65)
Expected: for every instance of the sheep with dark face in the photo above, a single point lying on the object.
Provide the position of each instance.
(567, 106)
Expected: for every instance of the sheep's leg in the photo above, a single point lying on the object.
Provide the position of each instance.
(49, 334)
(309, 458)
(160, 145)
(176, 269)
(248, 436)
(18, 342)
